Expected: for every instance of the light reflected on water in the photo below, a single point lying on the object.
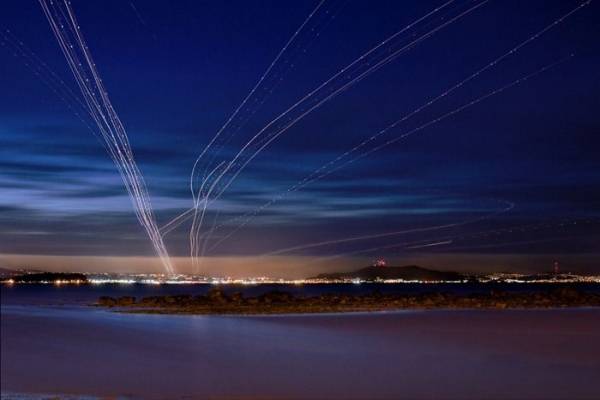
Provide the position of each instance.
(75, 349)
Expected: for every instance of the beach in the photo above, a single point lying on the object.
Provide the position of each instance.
(427, 354)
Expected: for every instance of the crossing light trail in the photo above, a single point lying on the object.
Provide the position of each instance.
(436, 120)
(383, 48)
(284, 61)
(275, 78)
(193, 236)
(240, 108)
(434, 244)
(442, 117)
(66, 29)
(399, 245)
(322, 171)
(453, 242)
(508, 207)
(347, 74)
(317, 102)
(177, 221)
(314, 176)
(442, 95)
(292, 55)
(249, 96)
(304, 109)
(453, 112)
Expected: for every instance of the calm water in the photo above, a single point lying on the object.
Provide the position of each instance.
(87, 294)
(52, 343)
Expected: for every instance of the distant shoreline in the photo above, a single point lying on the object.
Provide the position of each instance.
(409, 274)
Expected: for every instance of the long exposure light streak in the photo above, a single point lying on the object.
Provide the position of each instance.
(250, 94)
(362, 59)
(444, 241)
(76, 183)
(509, 207)
(453, 112)
(442, 117)
(70, 39)
(196, 199)
(317, 102)
(275, 77)
(318, 173)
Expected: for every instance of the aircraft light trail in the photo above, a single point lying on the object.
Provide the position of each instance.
(305, 109)
(70, 39)
(218, 165)
(318, 173)
(322, 171)
(438, 119)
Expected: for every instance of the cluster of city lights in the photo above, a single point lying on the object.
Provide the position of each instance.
(181, 279)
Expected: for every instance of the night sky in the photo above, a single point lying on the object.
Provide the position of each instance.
(512, 182)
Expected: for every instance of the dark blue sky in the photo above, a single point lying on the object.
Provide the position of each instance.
(175, 71)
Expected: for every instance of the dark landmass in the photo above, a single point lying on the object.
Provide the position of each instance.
(6, 273)
(407, 273)
(52, 277)
(547, 277)
(278, 302)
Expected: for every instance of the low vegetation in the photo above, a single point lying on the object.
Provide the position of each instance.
(216, 301)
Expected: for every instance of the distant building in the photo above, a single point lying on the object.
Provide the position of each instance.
(555, 268)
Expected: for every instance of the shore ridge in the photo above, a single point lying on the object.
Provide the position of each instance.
(216, 301)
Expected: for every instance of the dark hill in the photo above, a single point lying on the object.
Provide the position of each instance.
(408, 273)
(7, 273)
(50, 277)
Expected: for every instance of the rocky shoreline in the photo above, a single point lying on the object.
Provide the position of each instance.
(216, 301)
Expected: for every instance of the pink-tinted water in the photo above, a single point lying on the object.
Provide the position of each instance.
(549, 354)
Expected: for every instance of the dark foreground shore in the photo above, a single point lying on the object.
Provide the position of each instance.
(216, 301)
(78, 353)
